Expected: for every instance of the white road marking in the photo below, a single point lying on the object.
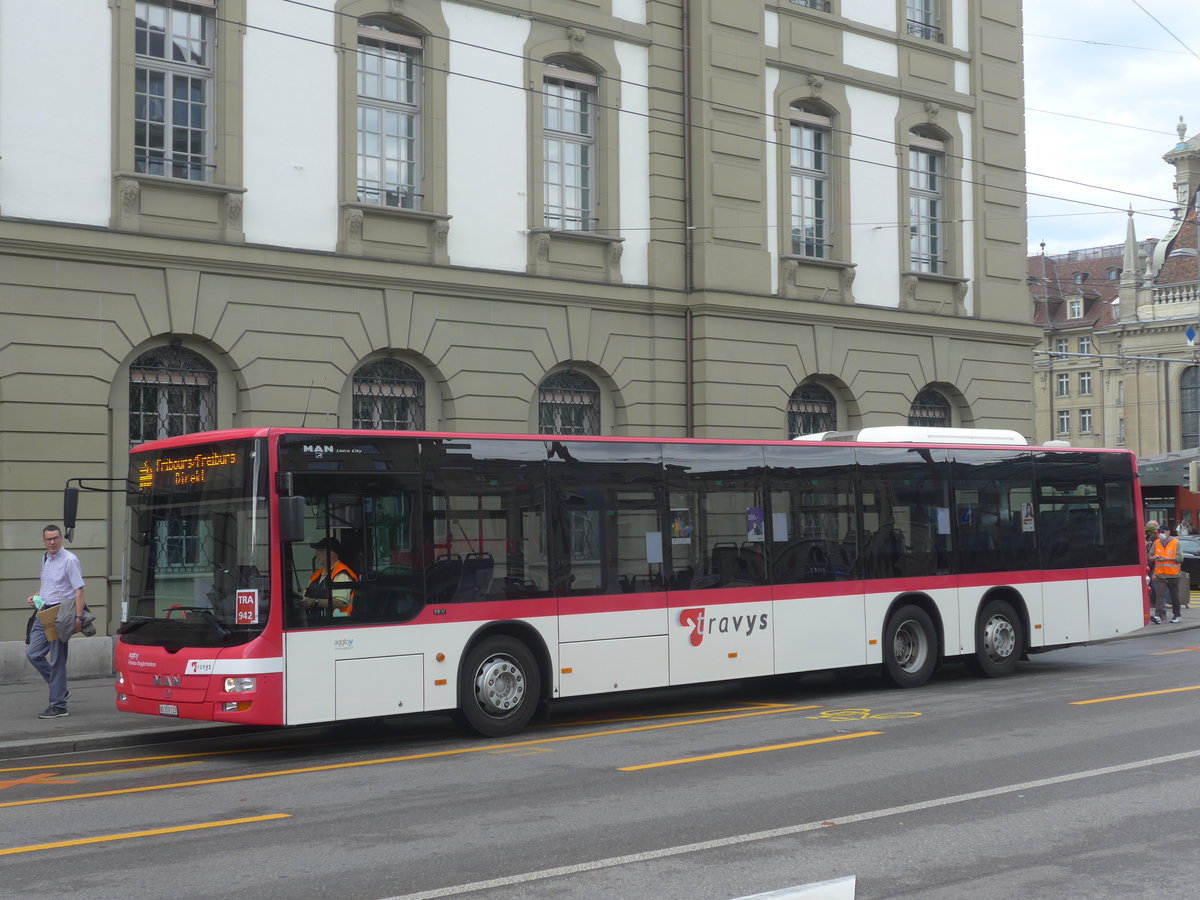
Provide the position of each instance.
(787, 831)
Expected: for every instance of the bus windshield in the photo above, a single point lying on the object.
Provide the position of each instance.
(199, 560)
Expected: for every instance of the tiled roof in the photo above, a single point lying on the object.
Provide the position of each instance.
(1051, 281)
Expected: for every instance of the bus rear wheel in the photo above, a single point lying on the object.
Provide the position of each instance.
(999, 640)
(909, 647)
(500, 687)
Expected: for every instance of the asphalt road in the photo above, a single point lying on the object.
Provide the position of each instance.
(1075, 778)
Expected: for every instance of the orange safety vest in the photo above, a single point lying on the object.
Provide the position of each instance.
(338, 568)
(1166, 568)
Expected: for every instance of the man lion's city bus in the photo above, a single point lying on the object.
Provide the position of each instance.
(496, 573)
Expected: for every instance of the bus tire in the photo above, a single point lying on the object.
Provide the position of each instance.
(999, 640)
(500, 687)
(909, 647)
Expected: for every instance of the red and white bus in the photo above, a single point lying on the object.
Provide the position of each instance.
(495, 573)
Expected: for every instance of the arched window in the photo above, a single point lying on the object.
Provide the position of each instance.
(926, 174)
(172, 391)
(1189, 407)
(930, 410)
(568, 403)
(811, 410)
(569, 146)
(389, 116)
(810, 140)
(389, 395)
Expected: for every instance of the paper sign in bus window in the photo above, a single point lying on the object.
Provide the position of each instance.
(681, 526)
(246, 607)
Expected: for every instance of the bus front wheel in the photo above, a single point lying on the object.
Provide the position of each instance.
(909, 647)
(999, 640)
(500, 687)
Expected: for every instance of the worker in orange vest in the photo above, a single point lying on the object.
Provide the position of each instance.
(324, 588)
(1165, 560)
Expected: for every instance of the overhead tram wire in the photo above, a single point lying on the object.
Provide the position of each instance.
(1166, 29)
(717, 131)
(777, 118)
(532, 18)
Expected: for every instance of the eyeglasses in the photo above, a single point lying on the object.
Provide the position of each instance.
(51, 540)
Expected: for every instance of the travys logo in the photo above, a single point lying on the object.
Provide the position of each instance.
(701, 624)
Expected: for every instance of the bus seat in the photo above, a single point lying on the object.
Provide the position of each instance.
(723, 562)
(442, 579)
(477, 569)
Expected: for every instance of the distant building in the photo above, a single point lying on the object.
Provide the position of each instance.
(1115, 367)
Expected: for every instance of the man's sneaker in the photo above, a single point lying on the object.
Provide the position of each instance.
(52, 712)
(1176, 620)
(1156, 620)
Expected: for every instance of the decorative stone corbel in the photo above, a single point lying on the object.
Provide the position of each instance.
(128, 213)
(846, 283)
(231, 214)
(960, 298)
(352, 224)
(441, 239)
(816, 82)
(787, 281)
(612, 267)
(931, 110)
(576, 36)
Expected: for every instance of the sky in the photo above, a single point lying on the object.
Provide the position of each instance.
(1105, 85)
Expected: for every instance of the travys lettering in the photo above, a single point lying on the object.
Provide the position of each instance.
(700, 624)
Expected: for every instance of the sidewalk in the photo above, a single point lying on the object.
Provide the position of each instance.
(95, 724)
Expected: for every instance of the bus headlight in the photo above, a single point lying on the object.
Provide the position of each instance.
(240, 685)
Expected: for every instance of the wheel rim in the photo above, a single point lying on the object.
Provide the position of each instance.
(499, 685)
(910, 647)
(999, 638)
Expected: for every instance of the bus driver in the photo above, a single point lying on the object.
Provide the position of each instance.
(323, 591)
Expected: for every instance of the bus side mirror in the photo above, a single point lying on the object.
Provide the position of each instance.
(70, 510)
(291, 519)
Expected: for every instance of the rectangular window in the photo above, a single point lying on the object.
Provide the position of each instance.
(1060, 345)
(388, 117)
(1121, 432)
(822, 5)
(810, 184)
(173, 79)
(1063, 385)
(1085, 344)
(568, 149)
(1064, 421)
(925, 165)
(924, 20)
(1085, 421)
(1085, 383)
(1075, 308)
(717, 516)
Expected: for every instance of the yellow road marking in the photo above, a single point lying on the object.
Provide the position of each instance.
(1195, 687)
(210, 753)
(436, 754)
(178, 829)
(732, 753)
(1180, 650)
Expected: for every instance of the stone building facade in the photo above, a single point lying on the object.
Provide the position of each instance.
(624, 217)
(1119, 362)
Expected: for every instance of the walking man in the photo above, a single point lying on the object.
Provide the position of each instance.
(62, 590)
(1165, 559)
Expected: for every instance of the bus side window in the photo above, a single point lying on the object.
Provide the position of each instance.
(608, 537)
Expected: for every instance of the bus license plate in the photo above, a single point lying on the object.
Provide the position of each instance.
(168, 709)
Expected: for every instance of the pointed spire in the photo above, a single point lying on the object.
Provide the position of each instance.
(1129, 260)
